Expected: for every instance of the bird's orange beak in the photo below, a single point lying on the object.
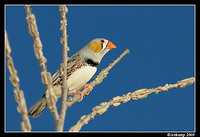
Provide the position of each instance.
(110, 45)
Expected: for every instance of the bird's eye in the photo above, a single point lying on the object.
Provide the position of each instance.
(102, 41)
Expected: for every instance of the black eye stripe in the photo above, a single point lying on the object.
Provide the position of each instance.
(102, 44)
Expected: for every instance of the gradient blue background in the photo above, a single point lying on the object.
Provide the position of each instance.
(161, 43)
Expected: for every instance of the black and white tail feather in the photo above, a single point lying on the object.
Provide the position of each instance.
(37, 109)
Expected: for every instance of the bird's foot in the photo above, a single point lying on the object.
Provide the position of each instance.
(89, 87)
(81, 92)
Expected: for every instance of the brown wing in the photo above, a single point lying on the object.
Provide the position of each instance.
(73, 63)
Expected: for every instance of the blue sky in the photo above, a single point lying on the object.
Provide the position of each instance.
(161, 42)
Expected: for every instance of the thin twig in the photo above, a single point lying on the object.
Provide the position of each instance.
(19, 95)
(45, 76)
(63, 107)
(98, 79)
(116, 101)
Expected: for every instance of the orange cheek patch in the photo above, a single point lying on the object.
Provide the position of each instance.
(96, 46)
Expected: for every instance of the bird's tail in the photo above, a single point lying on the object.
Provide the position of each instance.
(37, 109)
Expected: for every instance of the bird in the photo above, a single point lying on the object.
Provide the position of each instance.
(81, 67)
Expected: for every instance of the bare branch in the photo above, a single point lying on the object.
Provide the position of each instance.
(98, 79)
(63, 105)
(46, 76)
(19, 95)
(116, 101)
